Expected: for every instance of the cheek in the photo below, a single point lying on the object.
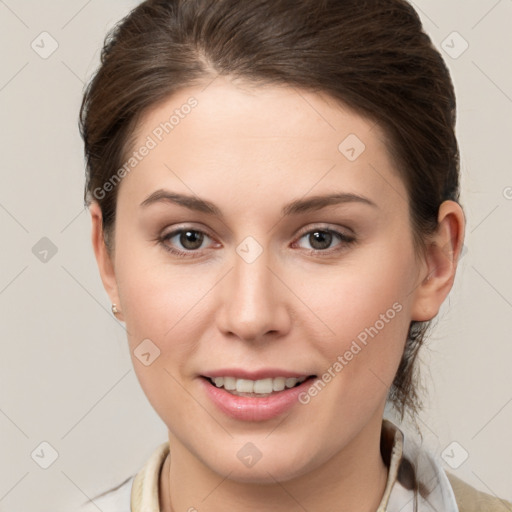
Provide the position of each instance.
(368, 310)
(160, 307)
(161, 303)
(369, 292)
(154, 293)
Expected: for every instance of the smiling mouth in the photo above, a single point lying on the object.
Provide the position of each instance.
(256, 388)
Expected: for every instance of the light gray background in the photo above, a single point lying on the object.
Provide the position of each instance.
(66, 374)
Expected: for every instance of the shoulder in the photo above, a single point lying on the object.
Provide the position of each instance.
(113, 500)
(470, 499)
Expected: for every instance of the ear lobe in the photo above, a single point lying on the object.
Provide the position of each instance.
(441, 259)
(103, 258)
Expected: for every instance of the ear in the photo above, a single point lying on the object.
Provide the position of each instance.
(442, 254)
(103, 258)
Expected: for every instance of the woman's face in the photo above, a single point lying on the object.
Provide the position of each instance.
(270, 280)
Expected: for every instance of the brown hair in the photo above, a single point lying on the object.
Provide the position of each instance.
(371, 55)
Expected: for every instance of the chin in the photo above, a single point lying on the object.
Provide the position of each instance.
(277, 468)
(262, 476)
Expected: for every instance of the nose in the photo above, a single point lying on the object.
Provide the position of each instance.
(253, 301)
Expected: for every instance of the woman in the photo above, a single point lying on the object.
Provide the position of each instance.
(273, 187)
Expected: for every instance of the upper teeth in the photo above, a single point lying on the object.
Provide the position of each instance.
(262, 386)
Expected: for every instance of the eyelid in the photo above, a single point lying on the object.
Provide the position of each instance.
(184, 227)
(326, 227)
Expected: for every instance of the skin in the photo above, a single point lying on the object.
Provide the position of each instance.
(251, 150)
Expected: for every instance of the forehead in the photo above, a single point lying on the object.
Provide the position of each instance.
(228, 108)
(239, 135)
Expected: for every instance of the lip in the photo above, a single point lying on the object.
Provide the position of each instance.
(254, 409)
(264, 373)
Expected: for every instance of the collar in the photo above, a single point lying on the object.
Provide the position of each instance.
(416, 480)
(416, 476)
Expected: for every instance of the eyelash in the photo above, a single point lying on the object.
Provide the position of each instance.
(345, 240)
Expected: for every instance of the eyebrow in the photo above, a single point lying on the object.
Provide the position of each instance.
(298, 206)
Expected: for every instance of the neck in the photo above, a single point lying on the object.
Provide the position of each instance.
(353, 480)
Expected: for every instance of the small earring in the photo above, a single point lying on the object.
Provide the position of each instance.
(114, 309)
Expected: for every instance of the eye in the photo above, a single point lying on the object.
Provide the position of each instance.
(189, 239)
(188, 242)
(320, 240)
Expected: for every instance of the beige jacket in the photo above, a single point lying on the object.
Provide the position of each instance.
(471, 500)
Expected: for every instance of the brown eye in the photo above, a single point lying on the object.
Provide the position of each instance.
(320, 240)
(191, 240)
(184, 241)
